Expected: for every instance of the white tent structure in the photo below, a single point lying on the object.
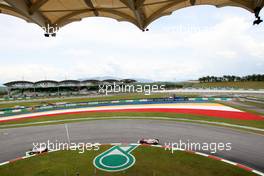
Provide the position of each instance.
(58, 13)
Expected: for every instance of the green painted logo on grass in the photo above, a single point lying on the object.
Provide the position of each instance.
(115, 159)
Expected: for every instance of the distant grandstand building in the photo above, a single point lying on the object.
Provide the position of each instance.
(47, 88)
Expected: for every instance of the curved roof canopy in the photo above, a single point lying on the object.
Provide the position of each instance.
(69, 82)
(58, 13)
(19, 83)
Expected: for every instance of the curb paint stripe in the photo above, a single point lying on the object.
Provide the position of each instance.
(229, 162)
(257, 172)
(4, 163)
(244, 167)
(14, 160)
(214, 157)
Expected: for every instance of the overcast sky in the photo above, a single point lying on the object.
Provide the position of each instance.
(191, 43)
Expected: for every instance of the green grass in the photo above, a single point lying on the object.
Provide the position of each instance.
(244, 85)
(75, 100)
(100, 115)
(149, 161)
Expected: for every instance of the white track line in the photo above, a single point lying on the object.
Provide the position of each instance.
(67, 133)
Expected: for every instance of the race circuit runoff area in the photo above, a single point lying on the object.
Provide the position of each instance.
(245, 148)
(120, 159)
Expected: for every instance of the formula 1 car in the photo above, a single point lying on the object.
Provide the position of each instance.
(149, 141)
(36, 151)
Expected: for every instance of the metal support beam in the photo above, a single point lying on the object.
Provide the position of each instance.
(259, 3)
(64, 20)
(136, 6)
(90, 4)
(36, 6)
(22, 7)
(192, 2)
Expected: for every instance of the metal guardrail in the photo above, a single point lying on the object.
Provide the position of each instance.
(14, 99)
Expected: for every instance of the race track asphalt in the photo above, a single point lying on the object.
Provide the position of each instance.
(247, 148)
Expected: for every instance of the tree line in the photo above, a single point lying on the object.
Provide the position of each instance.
(232, 78)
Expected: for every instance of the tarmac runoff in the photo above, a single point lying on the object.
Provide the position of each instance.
(207, 109)
(247, 148)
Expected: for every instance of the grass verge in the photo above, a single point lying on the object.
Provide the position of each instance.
(149, 161)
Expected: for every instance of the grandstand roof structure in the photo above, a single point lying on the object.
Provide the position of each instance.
(139, 12)
(19, 83)
(70, 83)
